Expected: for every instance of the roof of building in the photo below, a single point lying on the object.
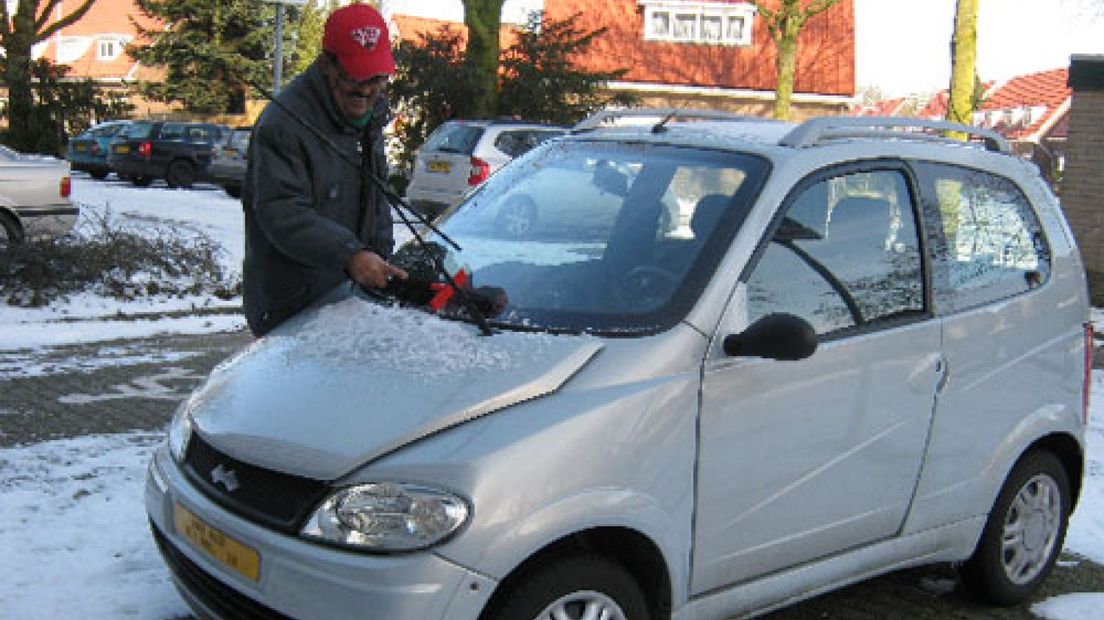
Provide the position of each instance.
(1029, 104)
(78, 45)
(826, 50)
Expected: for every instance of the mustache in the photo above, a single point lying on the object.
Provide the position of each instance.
(353, 94)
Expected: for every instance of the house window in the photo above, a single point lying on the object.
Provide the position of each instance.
(690, 21)
(109, 49)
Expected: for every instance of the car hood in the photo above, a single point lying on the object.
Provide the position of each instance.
(351, 381)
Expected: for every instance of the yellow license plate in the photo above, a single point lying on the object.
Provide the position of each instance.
(229, 152)
(79, 148)
(438, 166)
(219, 546)
(122, 148)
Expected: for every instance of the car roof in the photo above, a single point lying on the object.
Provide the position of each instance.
(709, 128)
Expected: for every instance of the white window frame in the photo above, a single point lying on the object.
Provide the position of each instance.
(661, 18)
(113, 46)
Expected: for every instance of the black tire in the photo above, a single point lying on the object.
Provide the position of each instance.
(99, 175)
(517, 217)
(1036, 499)
(571, 585)
(234, 191)
(180, 173)
(10, 232)
(141, 181)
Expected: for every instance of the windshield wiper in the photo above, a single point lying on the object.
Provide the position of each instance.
(401, 207)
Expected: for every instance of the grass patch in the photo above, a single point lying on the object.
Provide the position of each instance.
(108, 259)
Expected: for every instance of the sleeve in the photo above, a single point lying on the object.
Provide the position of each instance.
(283, 202)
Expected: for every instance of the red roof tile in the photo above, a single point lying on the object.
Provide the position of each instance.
(105, 18)
(1024, 105)
(826, 50)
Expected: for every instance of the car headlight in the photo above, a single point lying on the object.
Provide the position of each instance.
(180, 432)
(386, 516)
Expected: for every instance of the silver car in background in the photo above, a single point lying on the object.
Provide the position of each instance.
(732, 364)
(34, 197)
(459, 156)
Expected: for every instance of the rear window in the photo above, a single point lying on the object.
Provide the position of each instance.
(454, 138)
(516, 142)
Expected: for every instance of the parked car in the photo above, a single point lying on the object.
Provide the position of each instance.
(867, 350)
(34, 197)
(177, 152)
(228, 164)
(460, 155)
(87, 151)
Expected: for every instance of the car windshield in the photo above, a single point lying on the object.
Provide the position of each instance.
(588, 236)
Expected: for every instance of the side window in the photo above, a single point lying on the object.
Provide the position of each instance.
(986, 241)
(172, 131)
(847, 254)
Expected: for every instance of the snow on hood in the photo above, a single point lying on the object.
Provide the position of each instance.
(351, 381)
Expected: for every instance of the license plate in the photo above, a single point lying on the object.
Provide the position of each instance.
(438, 166)
(122, 149)
(79, 148)
(219, 546)
(230, 152)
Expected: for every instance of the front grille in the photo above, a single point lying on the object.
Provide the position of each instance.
(277, 500)
(225, 601)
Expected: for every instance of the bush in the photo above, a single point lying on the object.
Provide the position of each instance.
(109, 260)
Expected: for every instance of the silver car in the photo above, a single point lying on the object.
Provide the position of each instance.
(459, 156)
(747, 362)
(34, 197)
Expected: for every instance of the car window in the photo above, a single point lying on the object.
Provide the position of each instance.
(987, 242)
(454, 138)
(107, 131)
(846, 254)
(173, 131)
(580, 236)
(138, 130)
(516, 142)
(239, 139)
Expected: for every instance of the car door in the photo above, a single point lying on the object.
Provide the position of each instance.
(802, 459)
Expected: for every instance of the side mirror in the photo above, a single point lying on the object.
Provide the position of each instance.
(777, 336)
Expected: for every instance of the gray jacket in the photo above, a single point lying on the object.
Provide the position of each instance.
(307, 210)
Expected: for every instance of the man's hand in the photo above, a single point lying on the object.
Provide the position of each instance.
(368, 269)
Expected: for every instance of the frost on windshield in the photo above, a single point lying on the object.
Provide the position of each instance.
(418, 342)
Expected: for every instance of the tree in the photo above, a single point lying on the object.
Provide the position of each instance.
(784, 24)
(18, 34)
(540, 81)
(484, 21)
(212, 50)
(961, 102)
(308, 34)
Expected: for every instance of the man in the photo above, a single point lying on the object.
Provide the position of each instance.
(312, 220)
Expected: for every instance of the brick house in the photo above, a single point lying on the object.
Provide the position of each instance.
(702, 53)
(717, 54)
(1083, 183)
(95, 47)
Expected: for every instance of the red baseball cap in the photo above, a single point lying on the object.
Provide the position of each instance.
(357, 35)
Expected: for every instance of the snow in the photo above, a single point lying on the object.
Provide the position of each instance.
(72, 519)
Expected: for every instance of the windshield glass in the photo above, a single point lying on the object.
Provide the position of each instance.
(597, 237)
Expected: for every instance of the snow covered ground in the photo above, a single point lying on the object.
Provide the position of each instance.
(72, 523)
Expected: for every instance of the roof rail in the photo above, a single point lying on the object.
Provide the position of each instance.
(816, 130)
(663, 115)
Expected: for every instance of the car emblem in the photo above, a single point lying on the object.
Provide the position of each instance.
(225, 477)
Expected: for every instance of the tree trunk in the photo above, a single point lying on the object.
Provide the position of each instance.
(786, 66)
(960, 105)
(483, 19)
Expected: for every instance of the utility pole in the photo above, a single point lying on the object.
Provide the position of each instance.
(278, 55)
